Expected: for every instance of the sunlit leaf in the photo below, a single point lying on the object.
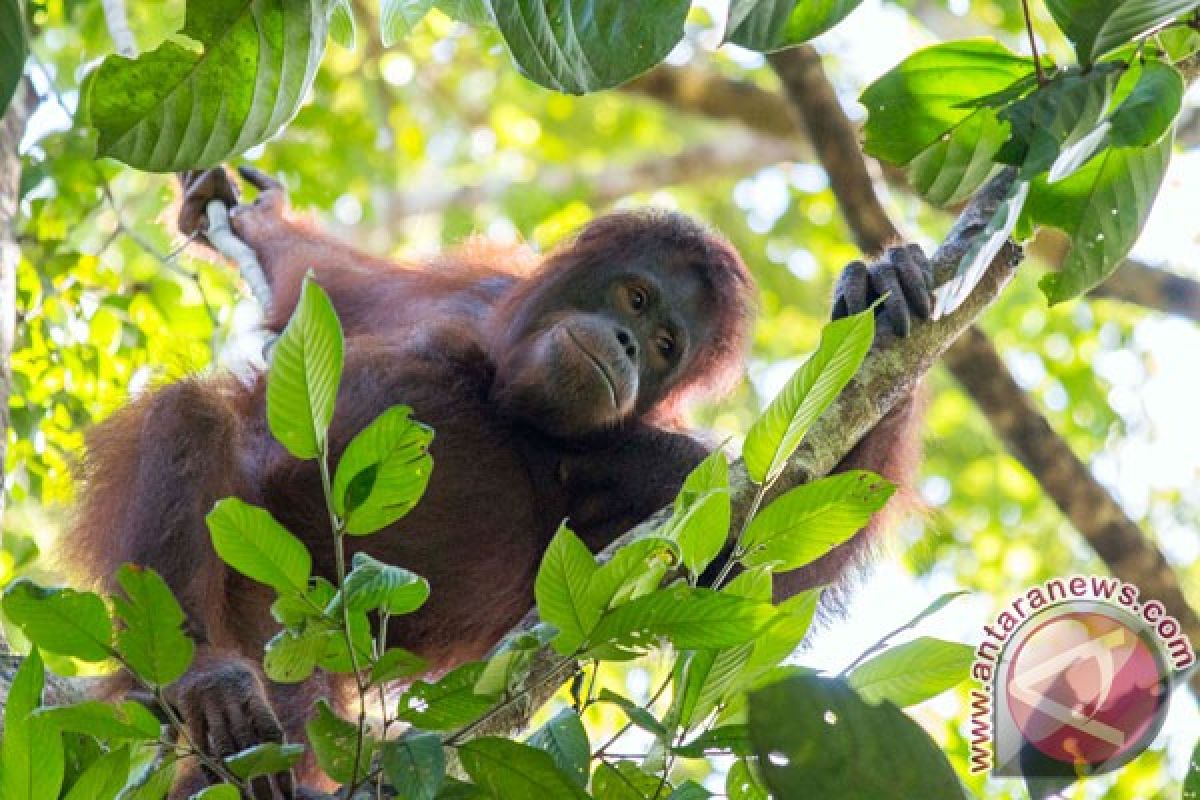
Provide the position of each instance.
(449, 703)
(383, 471)
(267, 758)
(151, 641)
(32, 747)
(335, 744)
(128, 720)
(251, 541)
(372, 585)
(560, 589)
(104, 778)
(808, 521)
(912, 672)
(580, 46)
(397, 18)
(776, 434)
(564, 738)
(234, 82)
(62, 621)
(929, 95)
(306, 368)
(768, 25)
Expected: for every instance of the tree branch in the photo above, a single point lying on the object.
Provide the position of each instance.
(975, 363)
(1153, 288)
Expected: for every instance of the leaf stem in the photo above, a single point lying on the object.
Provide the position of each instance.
(1037, 61)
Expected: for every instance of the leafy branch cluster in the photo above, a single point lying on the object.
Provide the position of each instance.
(726, 643)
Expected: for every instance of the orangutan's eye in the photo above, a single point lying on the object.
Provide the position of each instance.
(637, 298)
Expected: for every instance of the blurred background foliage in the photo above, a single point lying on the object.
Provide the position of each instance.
(108, 303)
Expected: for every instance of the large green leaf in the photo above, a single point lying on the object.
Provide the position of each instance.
(306, 369)
(580, 46)
(291, 657)
(815, 737)
(692, 619)
(112, 721)
(383, 471)
(1098, 26)
(1150, 108)
(810, 520)
(634, 570)
(929, 95)
(778, 432)
(952, 168)
(32, 748)
(912, 672)
(251, 541)
(415, 765)
(516, 771)
(62, 621)
(560, 589)
(1102, 207)
(769, 25)
(267, 758)
(13, 50)
(235, 81)
(151, 641)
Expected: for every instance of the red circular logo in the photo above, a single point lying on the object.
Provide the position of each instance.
(1086, 689)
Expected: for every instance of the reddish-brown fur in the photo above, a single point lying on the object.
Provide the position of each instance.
(422, 335)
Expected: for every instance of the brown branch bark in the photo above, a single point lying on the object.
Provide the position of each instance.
(975, 363)
(1153, 288)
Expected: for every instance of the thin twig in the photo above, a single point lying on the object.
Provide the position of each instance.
(1037, 62)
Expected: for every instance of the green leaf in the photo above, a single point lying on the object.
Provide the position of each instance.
(13, 50)
(1097, 26)
(702, 679)
(692, 619)
(104, 778)
(580, 46)
(1055, 126)
(1102, 208)
(251, 541)
(128, 720)
(472, 12)
(306, 369)
(397, 18)
(383, 471)
(334, 742)
(267, 758)
(560, 589)
(513, 770)
(415, 765)
(372, 585)
(565, 739)
(1146, 114)
(777, 433)
(636, 569)
(396, 663)
(61, 621)
(342, 28)
(639, 716)
(866, 751)
(700, 523)
(32, 748)
(237, 79)
(769, 25)
(292, 656)
(785, 633)
(954, 167)
(336, 657)
(449, 703)
(807, 522)
(929, 95)
(912, 672)
(152, 641)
